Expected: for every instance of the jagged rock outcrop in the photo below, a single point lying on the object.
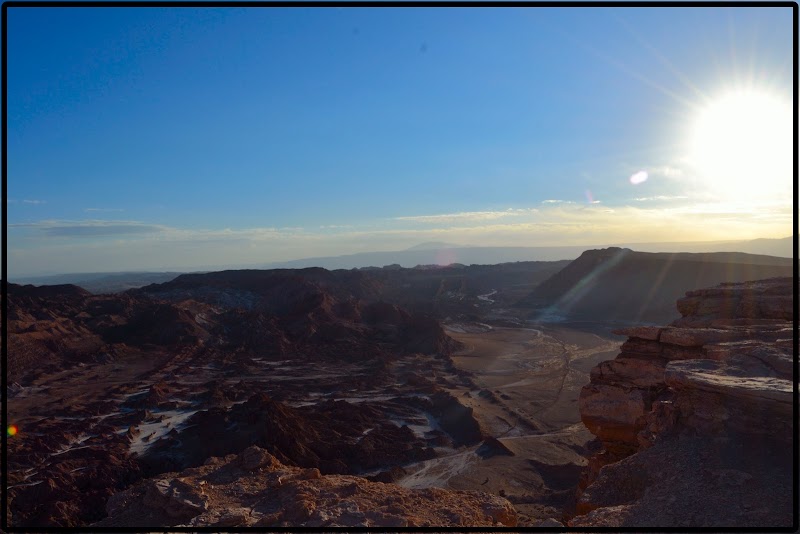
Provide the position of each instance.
(716, 378)
(108, 389)
(254, 489)
(328, 436)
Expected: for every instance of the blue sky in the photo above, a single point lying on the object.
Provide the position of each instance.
(144, 138)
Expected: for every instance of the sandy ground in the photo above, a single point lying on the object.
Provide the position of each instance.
(528, 381)
(534, 372)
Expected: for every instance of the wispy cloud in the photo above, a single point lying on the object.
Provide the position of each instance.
(466, 216)
(105, 210)
(662, 198)
(89, 228)
(28, 201)
(334, 226)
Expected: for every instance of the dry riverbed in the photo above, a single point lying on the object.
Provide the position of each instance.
(527, 385)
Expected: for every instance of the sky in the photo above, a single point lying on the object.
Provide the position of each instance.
(180, 138)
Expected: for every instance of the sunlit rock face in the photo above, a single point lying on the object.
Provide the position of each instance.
(716, 384)
(254, 489)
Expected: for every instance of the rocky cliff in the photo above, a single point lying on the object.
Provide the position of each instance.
(254, 489)
(695, 418)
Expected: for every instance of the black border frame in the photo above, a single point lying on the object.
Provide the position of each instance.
(381, 4)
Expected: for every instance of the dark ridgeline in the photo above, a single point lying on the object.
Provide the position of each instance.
(617, 284)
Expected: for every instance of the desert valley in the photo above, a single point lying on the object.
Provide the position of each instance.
(349, 266)
(518, 394)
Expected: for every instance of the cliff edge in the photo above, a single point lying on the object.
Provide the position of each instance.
(695, 418)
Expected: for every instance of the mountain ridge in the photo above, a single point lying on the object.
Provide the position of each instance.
(422, 254)
(642, 285)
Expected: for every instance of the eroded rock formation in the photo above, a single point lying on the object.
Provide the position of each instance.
(696, 417)
(254, 489)
(107, 389)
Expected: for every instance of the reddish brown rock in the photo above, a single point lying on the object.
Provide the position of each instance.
(722, 374)
(231, 491)
(649, 333)
(611, 412)
(698, 337)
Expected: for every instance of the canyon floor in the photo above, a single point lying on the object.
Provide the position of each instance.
(528, 383)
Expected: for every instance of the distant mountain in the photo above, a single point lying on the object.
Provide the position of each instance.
(98, 283)
(441, 253)
(783, 247)
(436, 256)
(434, 245)
(428, 253)
(617, 284)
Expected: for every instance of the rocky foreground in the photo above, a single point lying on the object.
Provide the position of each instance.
(110, 389)
(254, 489)
(695, 418)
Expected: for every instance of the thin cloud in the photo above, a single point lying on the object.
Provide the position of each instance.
(90, 228)
(30, 202)
(95, 231)
(104, 210)
(465, 216)
(556, 201)
(657, 198)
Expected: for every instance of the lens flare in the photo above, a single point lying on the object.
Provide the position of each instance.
(12, 430)
(445, 257)
(639, 177)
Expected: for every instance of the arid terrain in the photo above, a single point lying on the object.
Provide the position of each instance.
(390, 389)
(356, 267)
(529, 380)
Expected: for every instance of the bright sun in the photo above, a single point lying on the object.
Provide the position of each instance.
(741, 146)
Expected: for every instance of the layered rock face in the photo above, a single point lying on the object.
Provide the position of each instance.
(254, 489)
(712, 391)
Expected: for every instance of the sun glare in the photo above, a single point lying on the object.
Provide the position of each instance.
(741, 146)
